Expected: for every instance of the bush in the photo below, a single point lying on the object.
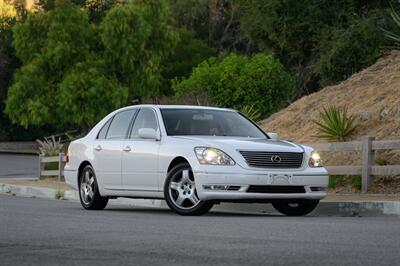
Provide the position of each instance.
(50, 147)
(335, 124)
(236, 81)
(348, 51)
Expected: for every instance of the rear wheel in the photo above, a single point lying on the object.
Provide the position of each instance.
(89, 191)
(180, 192)
(296, 207)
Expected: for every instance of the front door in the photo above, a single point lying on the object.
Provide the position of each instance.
(140, 156)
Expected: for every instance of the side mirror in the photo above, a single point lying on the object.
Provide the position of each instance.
(148, 133)
(272, 135)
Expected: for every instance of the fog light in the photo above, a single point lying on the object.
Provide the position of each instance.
(315, 189)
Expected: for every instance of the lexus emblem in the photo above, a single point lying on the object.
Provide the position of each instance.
(276, 159)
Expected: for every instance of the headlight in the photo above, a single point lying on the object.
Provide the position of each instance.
(315, 160)
(213, 156)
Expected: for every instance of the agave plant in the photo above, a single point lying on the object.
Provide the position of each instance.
(251, 112)
(50, 146)
(335, 124)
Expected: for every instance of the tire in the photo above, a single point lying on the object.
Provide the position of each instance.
(296, 207)
(89, 195)
(180, 192)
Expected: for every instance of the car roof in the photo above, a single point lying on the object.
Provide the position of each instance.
(178, 107)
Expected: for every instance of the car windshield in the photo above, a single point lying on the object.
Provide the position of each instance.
(203, 122)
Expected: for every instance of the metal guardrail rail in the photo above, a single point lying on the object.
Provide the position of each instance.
(367, 169)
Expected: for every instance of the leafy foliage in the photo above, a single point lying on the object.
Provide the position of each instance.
(189, 52)
(335, 124)
(259, 81)
(74, 71)
(136, 38)
(322, 41)
(394, 35)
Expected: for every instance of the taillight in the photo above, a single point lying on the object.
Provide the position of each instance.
(67, 156)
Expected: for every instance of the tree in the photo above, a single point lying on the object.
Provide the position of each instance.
(75, 70)
(238, 81)
(214, 21)
(189, 52)
(137, 37)
(57, 82)
(316, 39)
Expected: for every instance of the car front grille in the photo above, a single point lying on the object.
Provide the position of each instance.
(266, 159)
(276, 189)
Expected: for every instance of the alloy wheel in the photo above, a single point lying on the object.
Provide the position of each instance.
(182, 190)
(87, 186)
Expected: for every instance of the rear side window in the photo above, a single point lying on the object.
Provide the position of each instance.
(103, 131)
(120, 124)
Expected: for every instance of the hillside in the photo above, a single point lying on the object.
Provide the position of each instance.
(372, 95)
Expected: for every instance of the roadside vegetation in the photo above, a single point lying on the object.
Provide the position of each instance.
(65, 64)
(335, 124)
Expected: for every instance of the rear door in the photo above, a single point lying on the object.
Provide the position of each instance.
(140, 156)
(107, 149)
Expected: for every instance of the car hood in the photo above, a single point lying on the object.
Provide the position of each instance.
(230, 144)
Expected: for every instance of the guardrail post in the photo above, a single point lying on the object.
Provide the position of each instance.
(367, 162)
(60, 165)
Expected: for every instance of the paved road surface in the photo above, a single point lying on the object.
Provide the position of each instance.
(49, 232)
(18, 166)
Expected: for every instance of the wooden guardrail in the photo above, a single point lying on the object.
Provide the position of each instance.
(367, 169)
(60, 159)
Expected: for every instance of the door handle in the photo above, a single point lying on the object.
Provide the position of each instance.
(127, 148)
(98, 148)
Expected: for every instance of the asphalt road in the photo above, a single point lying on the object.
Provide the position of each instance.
(18, 166)
(49, 232)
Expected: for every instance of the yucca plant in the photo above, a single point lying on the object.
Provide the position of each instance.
(251, 112)
(50, 146)
(335, 124)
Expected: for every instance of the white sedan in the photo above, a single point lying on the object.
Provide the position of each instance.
(193, 157)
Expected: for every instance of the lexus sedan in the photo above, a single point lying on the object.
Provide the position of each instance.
(193, 157)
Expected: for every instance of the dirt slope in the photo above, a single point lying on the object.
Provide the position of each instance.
(372, 95)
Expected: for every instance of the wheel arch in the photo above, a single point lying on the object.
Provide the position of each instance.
(81, 166)
(176, 161)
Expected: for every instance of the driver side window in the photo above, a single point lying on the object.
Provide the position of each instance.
(145, 119)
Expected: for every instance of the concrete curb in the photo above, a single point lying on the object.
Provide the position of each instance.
(325, 208)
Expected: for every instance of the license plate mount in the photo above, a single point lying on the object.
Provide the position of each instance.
(280, 179)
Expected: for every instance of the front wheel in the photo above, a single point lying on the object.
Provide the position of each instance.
(180, 192)
(89, 191)
(295, 207)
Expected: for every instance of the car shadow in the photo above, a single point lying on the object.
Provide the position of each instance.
(163, 211)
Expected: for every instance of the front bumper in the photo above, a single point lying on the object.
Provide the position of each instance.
(216, 185)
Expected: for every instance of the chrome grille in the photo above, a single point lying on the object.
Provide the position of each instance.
(266, 159)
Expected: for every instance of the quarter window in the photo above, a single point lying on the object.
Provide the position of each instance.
(103, 131)
(120, 124)
(145, 119)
